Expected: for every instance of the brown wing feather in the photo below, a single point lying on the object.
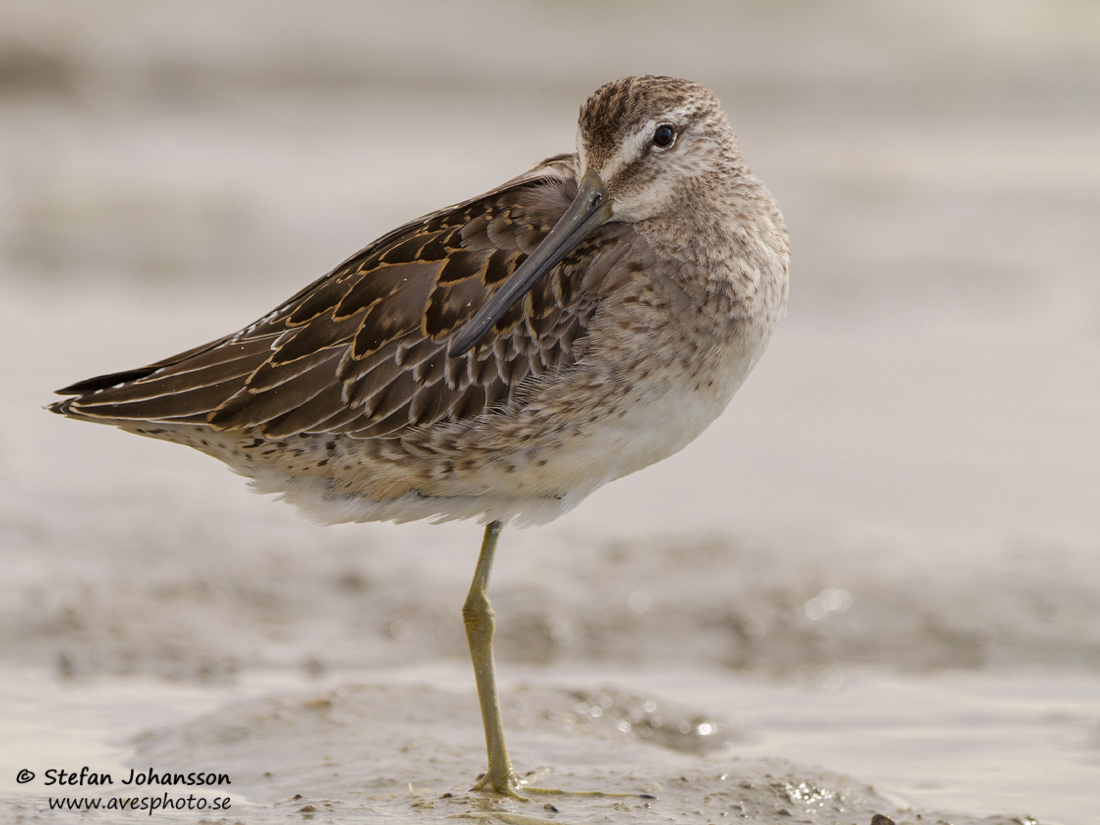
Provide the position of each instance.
(362, 351)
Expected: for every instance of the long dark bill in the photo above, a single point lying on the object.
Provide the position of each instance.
(590, 209)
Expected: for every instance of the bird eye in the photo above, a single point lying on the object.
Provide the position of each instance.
(663, 136)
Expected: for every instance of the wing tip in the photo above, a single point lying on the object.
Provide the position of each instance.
(60, 407)
(102, 382)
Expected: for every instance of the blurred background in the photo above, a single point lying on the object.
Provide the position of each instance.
(905, 496)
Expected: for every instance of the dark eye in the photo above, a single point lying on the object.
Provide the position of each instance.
(663, 136)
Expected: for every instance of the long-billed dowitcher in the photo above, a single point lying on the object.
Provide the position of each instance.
(503, 358)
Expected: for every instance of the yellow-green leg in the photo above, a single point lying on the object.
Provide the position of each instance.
(478, 616)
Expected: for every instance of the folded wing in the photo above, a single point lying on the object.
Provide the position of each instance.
(363, 350)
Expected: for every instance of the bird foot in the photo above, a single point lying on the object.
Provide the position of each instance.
(510, 785)
(505, 783)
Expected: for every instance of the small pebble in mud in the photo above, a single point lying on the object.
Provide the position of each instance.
(880, 819)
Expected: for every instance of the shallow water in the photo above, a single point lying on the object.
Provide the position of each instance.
(880, 568)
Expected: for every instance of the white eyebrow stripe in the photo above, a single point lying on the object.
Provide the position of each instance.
(635, 144)
(631, 148)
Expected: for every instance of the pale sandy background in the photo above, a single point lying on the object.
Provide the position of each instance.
(880, 568)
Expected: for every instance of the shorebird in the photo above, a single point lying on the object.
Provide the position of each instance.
(503, 358)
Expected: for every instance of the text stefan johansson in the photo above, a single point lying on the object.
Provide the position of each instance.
(86, 776)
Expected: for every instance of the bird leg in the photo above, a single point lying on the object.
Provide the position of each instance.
(478, 616)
